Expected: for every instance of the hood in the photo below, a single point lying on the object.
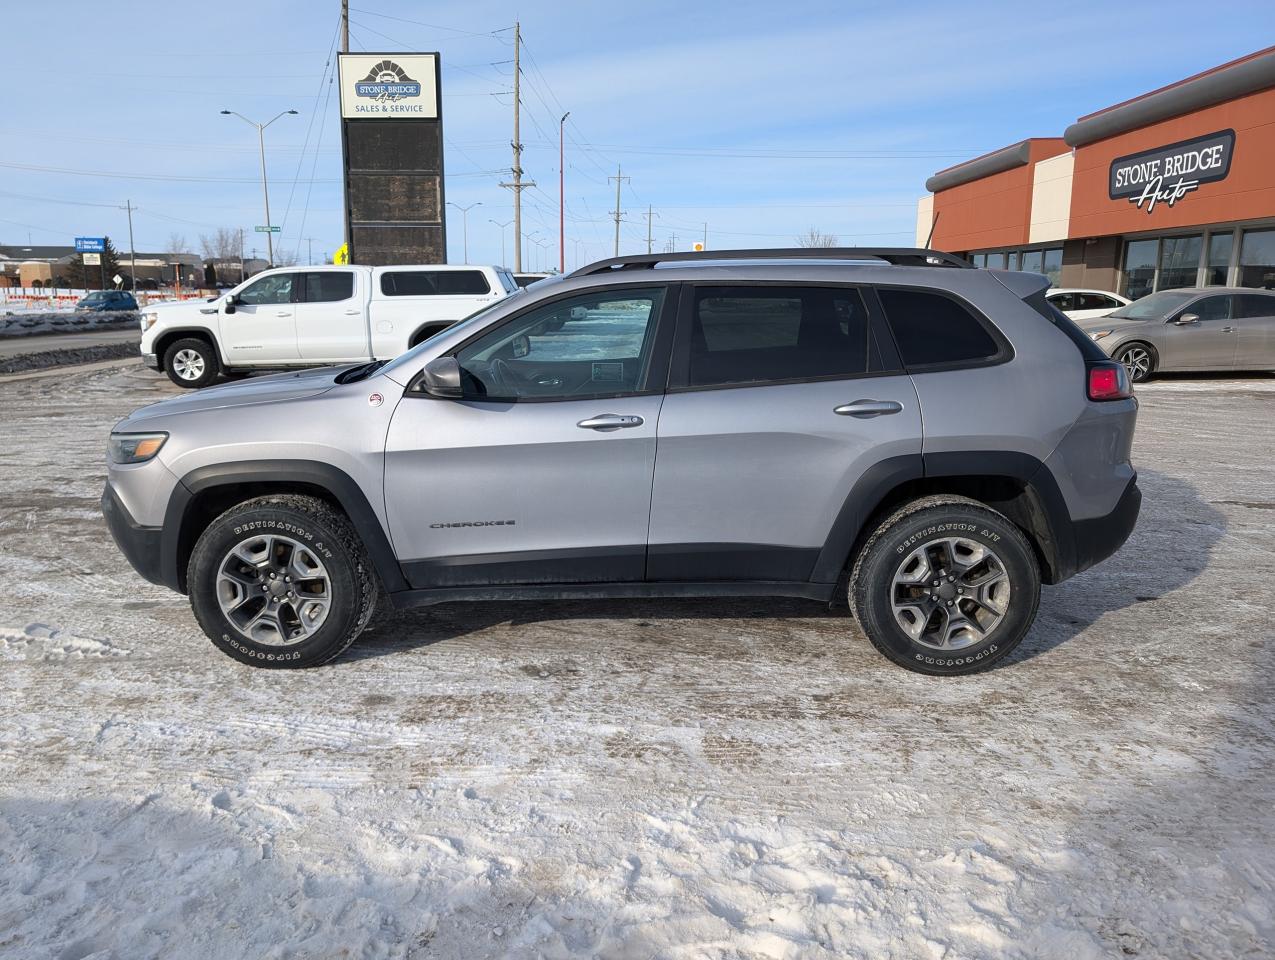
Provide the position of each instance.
(271, 389)
(1108, 323)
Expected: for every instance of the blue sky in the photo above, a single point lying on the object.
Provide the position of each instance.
(761, 119)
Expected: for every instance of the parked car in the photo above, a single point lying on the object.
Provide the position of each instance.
(932, 440)
(1200, 328)
(101, 300)
(298, 317)
(1085, 304)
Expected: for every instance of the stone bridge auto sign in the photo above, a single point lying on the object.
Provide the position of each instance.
(1167, 174)
(381, 86)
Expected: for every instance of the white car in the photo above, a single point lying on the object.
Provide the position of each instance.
(1085, 304)
(294, 317)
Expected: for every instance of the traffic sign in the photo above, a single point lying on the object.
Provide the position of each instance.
(92, 259)
(117, 279)
(697, 246)
(270, 229)
(90, 245)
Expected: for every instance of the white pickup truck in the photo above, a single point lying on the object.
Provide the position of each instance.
(295, 317)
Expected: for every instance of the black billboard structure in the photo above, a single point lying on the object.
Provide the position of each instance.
(392, 148)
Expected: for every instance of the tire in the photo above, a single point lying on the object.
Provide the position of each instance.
(420, 336)
(282, 534)
(191, 363)
(928, 535)
(1133, 355)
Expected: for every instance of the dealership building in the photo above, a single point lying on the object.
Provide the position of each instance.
(1175, 188)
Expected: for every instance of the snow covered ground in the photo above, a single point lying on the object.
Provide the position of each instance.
(39, 323)
(733, 779)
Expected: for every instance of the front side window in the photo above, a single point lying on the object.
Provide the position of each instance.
(1063, 301)
(933, 329)
(276, 288)
(595, 345)
(1211, 308)
(1257, 259)
(329, 286)
(753, 335)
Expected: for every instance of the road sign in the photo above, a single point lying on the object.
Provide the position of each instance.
(92, 259)
(90, 245)
(270, 229)
(697, 246)
(117, 279)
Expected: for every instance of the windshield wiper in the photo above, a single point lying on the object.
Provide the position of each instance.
(361, 372)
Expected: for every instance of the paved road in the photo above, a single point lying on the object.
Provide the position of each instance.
(13, 346)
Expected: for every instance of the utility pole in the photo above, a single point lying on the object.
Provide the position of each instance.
(465, 219)
(241, 278)
(345, 26)
(562, 203)
(650, 216)
(309, 257)
(502, 237)
(132, 250)
(517, 185)
(619, 178)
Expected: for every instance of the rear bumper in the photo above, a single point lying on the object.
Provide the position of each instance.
(140, 545)
(1100, 537)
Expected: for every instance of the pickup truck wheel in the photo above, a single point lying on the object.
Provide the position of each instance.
(945, 586)
(281, 581)
(191, 363)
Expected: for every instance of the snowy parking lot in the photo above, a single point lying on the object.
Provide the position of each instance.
(683, 779)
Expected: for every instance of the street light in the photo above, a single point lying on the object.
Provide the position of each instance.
(502, 237)
(562, 206)
(265, 189)
(465, 217)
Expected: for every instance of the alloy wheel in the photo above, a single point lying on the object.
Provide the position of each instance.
(950, 593)
(1136, 360)
(188, 364)
(273, 590)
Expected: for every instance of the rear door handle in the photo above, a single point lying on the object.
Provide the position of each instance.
(353, 313)
(866, 409)
(284, 313)
(610, 421)
(1228, 329)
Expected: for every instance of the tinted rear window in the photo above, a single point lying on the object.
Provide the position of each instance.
(433, 283)
(931, 328)
(329, 286)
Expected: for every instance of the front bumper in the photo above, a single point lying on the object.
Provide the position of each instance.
(151, 361)
(140, 545)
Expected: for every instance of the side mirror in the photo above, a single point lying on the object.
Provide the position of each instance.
(521, 346)
(1187, 318)
(441, 378)
(231, 300)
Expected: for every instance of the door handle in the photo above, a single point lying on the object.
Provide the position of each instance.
(866, 409)
(284, 313)
(610, 421)
(1228, 329)
(353, 313)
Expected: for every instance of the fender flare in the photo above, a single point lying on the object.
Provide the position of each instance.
(206, 332)
(332, 480)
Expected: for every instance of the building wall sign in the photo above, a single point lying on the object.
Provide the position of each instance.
(1165, 175)
(389, 85)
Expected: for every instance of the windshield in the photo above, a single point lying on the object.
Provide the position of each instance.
(1155, 307)
(409, 358)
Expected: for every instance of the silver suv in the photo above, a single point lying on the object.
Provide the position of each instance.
(928, 440)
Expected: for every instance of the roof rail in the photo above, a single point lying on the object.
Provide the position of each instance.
(895, 256)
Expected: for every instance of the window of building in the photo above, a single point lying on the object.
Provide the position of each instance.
(1257, 259)
(1053, 265)
(1139, 268)
(1220, 246)
(1033, 261)
(329, 286)
(753, 335)
(1179, 262)
(1011, 260)
(930, 328)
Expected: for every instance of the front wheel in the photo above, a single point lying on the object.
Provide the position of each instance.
(945, 586)
(1138, 360)
(191, 363)
(281, 581)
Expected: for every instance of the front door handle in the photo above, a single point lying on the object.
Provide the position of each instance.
(1228, 329)
(610, 421)
(866, 409)
(284, 313)
(353, 313)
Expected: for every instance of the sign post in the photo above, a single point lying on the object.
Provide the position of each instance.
(93, 247)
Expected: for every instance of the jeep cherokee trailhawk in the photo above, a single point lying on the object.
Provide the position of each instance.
(931, 439)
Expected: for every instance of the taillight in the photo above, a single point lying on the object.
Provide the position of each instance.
(1109, 381)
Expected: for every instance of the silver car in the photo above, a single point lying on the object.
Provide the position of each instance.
(1198, 328)
(892, 427)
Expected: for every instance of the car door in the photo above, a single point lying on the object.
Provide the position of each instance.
(541, 472)
(1255, 328)
(1206, 343)
(262, 327)
(331, 317)
(780, 398)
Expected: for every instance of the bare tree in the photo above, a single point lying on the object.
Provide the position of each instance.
(285, 258)
(814, 238)
(221, 244)
(177, 244)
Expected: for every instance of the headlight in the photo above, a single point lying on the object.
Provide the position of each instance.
(135, 447)
(1099, 334)
(149, 320)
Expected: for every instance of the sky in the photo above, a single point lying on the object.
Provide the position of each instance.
(752, 121)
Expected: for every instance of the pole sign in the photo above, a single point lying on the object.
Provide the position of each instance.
(90, 245)
(92, 259)
(392, 148)
(269, 229)
(1167, 174)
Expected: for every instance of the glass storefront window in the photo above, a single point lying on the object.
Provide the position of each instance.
(1139, 267)
(1257, 259)
(1011, 260)
(1033, 262)
(1179, 262)
(1220, 245)
(1053, 265)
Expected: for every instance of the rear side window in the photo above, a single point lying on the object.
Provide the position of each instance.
(433, 283)
(329, 286)
(933, 329)
(1095, 301)
(754, 335)
(457, 282)
(1254, 305)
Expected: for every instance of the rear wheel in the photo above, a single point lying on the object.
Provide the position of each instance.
(191, 363)
(1139, 359)
(945, 586)
(281, 581)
